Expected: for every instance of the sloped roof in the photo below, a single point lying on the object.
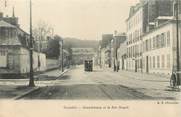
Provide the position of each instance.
(5, 24)
(10, 41)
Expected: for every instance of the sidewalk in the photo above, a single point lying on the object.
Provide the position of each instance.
(143, 76)
(50, 75)
(147, 77)
(11, 88)
(149, 84)
(11, 91)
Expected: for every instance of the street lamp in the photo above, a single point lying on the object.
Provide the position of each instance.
(61, 44)
(31, 81)
(177, 23)
(177, 31)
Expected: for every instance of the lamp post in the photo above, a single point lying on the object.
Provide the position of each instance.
(177, 31)
(117, 69)
(177, 25)
(31, 81)
(62, 57)
(61, 44)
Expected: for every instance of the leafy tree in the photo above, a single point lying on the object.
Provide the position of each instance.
(53, 50)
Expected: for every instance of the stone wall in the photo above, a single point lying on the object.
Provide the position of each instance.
(18, 61)
(39, 61)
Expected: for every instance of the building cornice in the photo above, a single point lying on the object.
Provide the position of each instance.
(160, 26)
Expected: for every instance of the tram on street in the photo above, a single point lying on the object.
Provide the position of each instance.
(88, 65)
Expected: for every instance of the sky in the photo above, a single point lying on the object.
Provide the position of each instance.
(84, 19)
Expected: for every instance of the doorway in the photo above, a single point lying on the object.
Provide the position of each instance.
(147, 64)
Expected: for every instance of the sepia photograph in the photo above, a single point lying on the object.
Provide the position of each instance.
(90, 50)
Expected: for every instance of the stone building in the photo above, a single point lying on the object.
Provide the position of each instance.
(144, 17)
(157, 37)
(81, 54)
(160, 49)
(118, 39)
(106, 57)
(106, 39)
(104, 51)
(122, 55)
(154, 9)
(14, 49)
(135, 29)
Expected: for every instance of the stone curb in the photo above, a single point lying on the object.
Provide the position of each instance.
(26, 93)
(62, 73)
(36, 88)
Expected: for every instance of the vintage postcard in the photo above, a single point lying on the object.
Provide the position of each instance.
(64, 58)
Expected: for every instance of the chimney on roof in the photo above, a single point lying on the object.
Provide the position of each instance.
(115, 33)
(13, 14)
(1, 15)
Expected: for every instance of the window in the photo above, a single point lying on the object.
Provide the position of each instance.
(168, 38)
(3, 52)
(132, 51)
(6, 33)
(162, 40)
(168, 61)
(154, 43)
(131, 38)
(146, 45)
(158, 61)
(129, 52)
(150, 63)
(153, 61)
(143, 46)
(140, 32)
(150, 44)
(143, 63)
(157, 41)
(3, 55)
(138, 35)
(163, 61)
(2, 33)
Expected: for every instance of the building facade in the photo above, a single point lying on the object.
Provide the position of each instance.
(117, 40)
(135, 29)
(81, 54)
(143, 18)
(160, 49)
(106, 57)
(14, 50)
(122, 55)
(104, 51)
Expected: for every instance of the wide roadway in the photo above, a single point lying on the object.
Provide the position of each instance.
(76, 84)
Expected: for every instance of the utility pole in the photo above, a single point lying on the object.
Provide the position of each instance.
(100, 57)
(62, 55)
(177, 31)
(31, 81)
(116, 58)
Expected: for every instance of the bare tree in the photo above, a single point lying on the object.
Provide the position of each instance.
(41, 33)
